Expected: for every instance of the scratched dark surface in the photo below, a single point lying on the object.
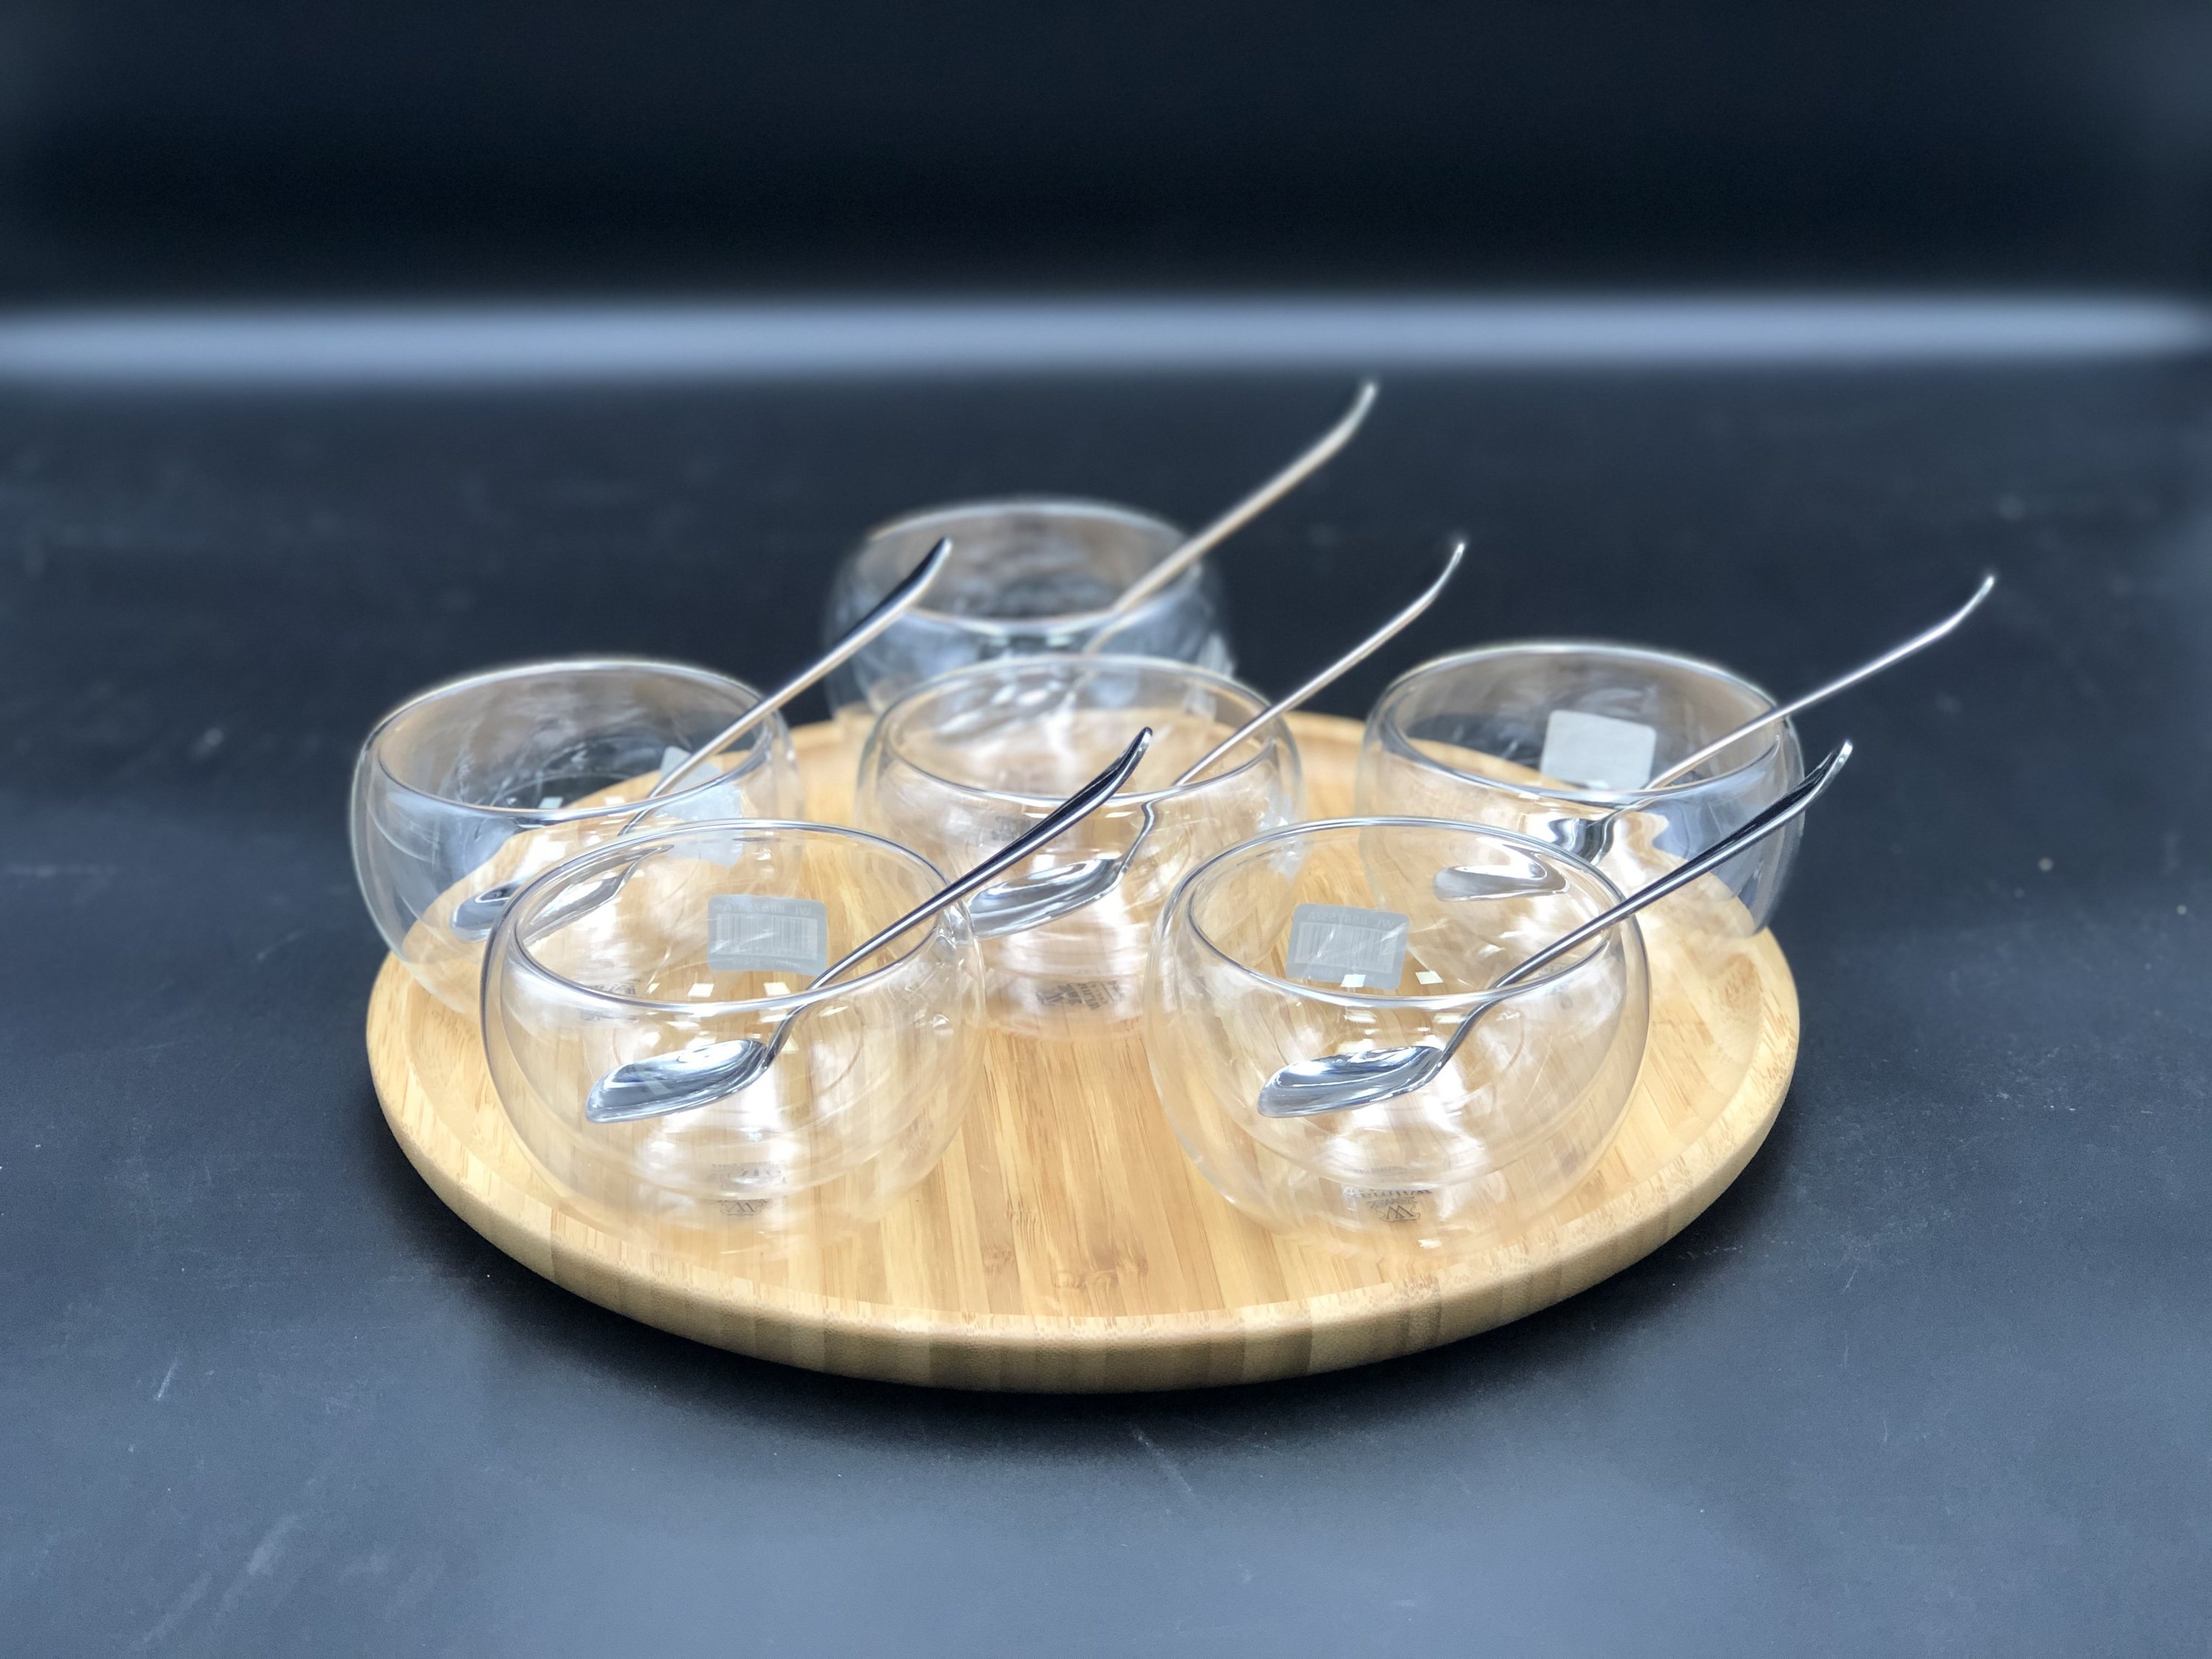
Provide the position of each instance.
(1936, 1376)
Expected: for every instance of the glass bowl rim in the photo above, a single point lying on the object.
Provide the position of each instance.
(1180, 900)
(1385, 716)
(509, 920)
(1275, 735)
(1070, 621)
(530, 817)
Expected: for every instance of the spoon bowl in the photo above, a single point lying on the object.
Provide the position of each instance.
(1015, 907)
(678, 1082)
(1462, 881)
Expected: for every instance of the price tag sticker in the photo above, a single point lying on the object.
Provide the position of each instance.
(1344, 946)
(726, 801)
(1597, 751)
(754, 934)
(723, 801)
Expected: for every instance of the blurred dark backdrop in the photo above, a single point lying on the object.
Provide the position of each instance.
(174, 146)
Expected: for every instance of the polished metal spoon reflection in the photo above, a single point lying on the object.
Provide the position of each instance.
(1123, 610)
(1317, 455)
(1337, 1083)
(475, 916)
(1031, 901)
(698, 1076)
(1591, 839)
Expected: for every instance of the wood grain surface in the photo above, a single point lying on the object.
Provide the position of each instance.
(1065, 1242)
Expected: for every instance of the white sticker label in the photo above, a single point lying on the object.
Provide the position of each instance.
(1597, 751)
(1342, 945)
(726, 801)
(750, 933)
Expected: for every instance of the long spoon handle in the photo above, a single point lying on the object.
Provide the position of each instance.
(863, 632)
(1896, 654)
(1792, 806)
(1318, 455)
(1344, 664)
(1080, 805)
(1068, 901)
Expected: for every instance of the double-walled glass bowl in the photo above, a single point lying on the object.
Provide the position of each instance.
(1470, 737)
(964, 764)
(867, 1092)
(500, 776)
(1027, 577)
(1330, 938)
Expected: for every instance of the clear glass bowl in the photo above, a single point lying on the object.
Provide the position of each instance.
(1028, 577)
(1522, 1113)
(869, 1089)
(964, 764)
(476, 782)
(1466, 737)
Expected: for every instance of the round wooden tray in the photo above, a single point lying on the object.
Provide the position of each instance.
(1065, 1242)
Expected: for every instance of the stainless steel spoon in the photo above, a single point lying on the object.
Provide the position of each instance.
(698, 1076)
(1337, 1083)
(1316, 456)
(1031, 901)
(1591, 839)
(1123, 610)
(475, 916)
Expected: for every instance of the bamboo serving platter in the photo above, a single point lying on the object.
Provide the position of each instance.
(1065, 1242)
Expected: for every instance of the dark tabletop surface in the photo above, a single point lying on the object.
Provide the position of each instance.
(1934, 1376)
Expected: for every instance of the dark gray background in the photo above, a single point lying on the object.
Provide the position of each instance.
(271, 147)
(1934, 1376)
